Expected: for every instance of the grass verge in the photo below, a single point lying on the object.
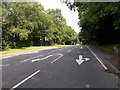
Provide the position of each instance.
(112, 49)
(26, 48)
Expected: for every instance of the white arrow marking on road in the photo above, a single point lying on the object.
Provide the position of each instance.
(81, 59)
(86, 59)
(41, 58)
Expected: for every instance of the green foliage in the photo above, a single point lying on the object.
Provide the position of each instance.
(28, 24)
(100, 21)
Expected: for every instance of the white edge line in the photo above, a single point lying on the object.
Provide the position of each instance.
(17, 85)
(97, 58)
(57, 59)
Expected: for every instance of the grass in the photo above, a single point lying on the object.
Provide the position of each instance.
(26, 48)
(110, 48)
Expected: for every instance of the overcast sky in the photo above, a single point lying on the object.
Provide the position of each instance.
(70, 16)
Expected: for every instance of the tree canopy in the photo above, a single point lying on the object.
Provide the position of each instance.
(28, 24)
(100, 21)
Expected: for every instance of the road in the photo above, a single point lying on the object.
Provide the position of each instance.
(57, 68)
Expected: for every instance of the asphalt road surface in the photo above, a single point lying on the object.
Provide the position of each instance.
(64, 67)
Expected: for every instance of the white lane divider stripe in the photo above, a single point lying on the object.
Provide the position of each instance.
(4, 65)
(57, 59)
(37, 56)
(68, 51)
(17, 85)
(41, 58)
(97, 58)
(60, 49)
(31, 58)
(53, 51)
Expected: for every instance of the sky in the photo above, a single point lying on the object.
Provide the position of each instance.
(70, 16)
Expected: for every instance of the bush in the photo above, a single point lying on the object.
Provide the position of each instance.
(12, 44)
(5, 45)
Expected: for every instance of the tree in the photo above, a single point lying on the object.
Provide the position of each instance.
(99, 21)
(28, 24)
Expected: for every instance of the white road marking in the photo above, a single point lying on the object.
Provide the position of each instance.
(57, 59)
(81, 59)
(81, 47)
(17, 85)
(68, 51)
(37, 56)
(41, 58)
(4, 65)
(97, 58)
(31, 58)
(53, 51)
(87, 86)
(59, 54)
(86, 59)
(60, 49)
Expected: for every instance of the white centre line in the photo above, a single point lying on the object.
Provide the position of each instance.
(97, 58)
(41, 58)
(17, 85)
(57, 59)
